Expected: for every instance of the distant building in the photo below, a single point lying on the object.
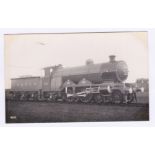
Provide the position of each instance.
(143, 83)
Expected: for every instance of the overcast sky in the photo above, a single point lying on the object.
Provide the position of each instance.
(28, 54)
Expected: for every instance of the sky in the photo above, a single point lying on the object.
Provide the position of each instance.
(28, 54)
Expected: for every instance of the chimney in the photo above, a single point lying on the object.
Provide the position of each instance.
(112, 58)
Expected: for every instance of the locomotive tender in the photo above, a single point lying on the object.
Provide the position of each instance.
(103, 82)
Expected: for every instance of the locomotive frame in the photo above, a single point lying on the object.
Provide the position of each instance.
(99, 83)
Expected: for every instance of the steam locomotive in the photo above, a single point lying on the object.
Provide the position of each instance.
(97, 83)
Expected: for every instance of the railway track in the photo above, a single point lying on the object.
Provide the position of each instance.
(91, 103)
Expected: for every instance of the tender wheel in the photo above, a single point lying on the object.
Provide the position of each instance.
(117, 97)
(54, 98)
(98, 98)
(86, 99)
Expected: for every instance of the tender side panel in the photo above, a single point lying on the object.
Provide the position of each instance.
(26, 84)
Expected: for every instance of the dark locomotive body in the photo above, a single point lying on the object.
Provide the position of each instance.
(92, 82)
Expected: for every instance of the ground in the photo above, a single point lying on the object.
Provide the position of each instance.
(39, 112)
(34, 112)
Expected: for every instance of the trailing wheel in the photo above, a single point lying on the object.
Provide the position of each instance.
(98, 98)
(117, 97)
(87, 98)
(64, 97)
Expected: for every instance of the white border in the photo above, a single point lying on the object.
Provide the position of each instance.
(151, 45)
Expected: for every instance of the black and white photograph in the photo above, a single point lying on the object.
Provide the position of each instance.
(76, 77)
